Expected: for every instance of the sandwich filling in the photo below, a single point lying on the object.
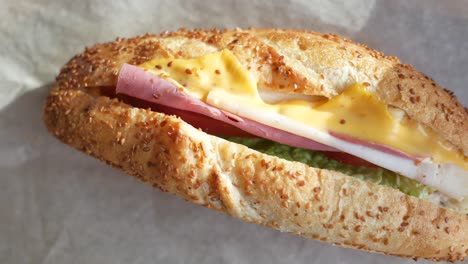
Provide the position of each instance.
(318, 159)
(355, 122)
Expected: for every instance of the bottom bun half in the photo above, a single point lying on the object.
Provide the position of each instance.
(173, 156)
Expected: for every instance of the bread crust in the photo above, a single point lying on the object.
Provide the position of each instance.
(171, 155)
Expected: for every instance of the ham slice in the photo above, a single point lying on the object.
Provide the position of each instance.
(138, 83)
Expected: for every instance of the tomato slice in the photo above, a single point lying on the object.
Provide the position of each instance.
(206, 124)
(346, 158)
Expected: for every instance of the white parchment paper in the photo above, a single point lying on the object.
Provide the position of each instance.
(60, 206)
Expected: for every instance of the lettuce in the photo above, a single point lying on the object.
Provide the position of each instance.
(318, 160)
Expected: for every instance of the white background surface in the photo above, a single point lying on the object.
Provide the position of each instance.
(60, 206)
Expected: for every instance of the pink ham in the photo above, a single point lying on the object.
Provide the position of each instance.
(138, 83)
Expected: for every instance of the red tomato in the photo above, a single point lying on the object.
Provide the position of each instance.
(347, 159)
(207, 124)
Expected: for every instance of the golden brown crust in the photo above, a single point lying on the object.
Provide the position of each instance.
(173, 156)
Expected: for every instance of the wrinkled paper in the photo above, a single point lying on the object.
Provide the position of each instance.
(60, 206)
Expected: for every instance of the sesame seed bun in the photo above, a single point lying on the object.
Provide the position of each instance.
(171, 155)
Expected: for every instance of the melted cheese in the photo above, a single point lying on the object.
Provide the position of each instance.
(355, 113)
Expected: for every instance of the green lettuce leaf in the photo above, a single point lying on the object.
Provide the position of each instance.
(318, 160)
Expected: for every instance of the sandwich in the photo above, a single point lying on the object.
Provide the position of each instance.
(303, 132)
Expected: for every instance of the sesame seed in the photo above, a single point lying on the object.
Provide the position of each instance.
(317, 197)
(284, 195)
(169, 64)
(342, 121)
(158, 67)
(188, 71)
(345, 192)
(217, 71)
(264, 164)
